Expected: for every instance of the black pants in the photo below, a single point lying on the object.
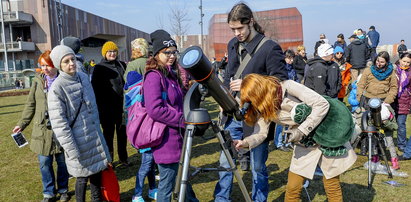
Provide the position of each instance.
(95, 187)
(108, 131)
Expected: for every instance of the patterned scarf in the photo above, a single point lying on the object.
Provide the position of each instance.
(382, 74)
(403, 75)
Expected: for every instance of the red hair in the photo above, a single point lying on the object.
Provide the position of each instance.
(265, 95)
(46, 57)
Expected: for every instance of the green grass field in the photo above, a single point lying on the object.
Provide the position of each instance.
(20, 178)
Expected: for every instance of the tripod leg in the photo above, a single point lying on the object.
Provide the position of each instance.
(369, 160)
(384, 156)
(186, 163)
(176, 191)
(233, 167)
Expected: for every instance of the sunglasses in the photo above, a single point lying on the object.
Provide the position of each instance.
(339, 53)
(169, 53)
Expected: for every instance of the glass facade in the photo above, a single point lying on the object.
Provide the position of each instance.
(282, 25)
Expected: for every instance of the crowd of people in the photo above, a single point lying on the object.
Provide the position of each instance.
(311, 103)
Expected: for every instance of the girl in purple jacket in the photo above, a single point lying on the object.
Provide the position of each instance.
(163, 82)
(402, 103)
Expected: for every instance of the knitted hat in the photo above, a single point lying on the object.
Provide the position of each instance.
(325, 50)
(338, 49)
(72, 42)
(133, 77)
(58, 53)
(161, 39)
(109, 45)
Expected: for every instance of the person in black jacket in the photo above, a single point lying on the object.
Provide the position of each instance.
(323, 76)
(300, 60)
(357, 54)
(267, 60)
(402, 48)
(108, 84)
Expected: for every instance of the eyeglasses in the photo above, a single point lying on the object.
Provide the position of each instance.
(169, 53)
(112, 51)
(44, 66)
(339, 53)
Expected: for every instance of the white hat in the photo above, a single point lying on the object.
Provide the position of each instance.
(325, 50)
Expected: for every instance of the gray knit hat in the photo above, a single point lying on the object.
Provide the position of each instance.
(58, 53)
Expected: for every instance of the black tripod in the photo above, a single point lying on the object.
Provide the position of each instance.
(371, 123)
(198, 120)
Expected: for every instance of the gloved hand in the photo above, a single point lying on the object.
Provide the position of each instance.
(294, 135)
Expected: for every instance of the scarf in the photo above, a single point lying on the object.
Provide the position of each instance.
(382, 74)
(49, 81)
(403, 75)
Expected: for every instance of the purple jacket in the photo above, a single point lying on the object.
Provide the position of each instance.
(404, 100)
(172, 115)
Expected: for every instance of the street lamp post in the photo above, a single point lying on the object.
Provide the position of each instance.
(201, 23)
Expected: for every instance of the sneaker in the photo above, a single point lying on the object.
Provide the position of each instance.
(137, 199)
(64, 197)
(152, 193)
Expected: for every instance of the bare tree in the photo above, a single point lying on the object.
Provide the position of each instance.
(268, 24)
(179, 22)
(160, 22)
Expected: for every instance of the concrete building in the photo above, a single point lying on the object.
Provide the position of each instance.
(29, 27)
(282, 25)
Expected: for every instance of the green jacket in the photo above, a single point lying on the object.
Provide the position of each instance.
(42, 141)
(138, 65)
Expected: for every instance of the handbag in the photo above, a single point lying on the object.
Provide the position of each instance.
(142, 131)
(110, 189)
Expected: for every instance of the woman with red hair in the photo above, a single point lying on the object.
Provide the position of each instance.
(42, 142)
(319, 126)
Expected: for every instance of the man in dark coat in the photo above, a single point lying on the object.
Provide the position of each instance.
(323, 76)
(402, 48)
(357, 54)
(374, 37)
(267, 60)
(108, 84)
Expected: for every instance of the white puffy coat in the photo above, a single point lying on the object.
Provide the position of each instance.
(84, 145)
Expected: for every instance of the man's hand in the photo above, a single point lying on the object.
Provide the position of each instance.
(294, 135)
(235, 85)
(240, 144)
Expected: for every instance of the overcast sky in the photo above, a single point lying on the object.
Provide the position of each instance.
(391, 18)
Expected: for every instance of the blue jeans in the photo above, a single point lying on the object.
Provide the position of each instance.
(168, 173)
(402, 131)
(259, 156)
(407, 150)
(278, 136)
(47, 174)
(146, 169)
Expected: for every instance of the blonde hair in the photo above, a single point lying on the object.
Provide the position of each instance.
(265, 95)
(300, 48)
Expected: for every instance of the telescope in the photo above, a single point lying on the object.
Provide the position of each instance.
(196, 63)
(198, 119)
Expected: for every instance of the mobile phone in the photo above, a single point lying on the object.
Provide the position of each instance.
(19, 139)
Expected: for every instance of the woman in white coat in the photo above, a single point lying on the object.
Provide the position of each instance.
(320, 138)
(74, 119)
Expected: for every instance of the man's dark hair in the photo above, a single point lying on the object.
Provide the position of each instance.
(341, 36)
(241, 12)
(402, 40)
(289, 53)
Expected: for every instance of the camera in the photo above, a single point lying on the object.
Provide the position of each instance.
(48, 123)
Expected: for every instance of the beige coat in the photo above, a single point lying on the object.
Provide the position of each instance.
(304, 159)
